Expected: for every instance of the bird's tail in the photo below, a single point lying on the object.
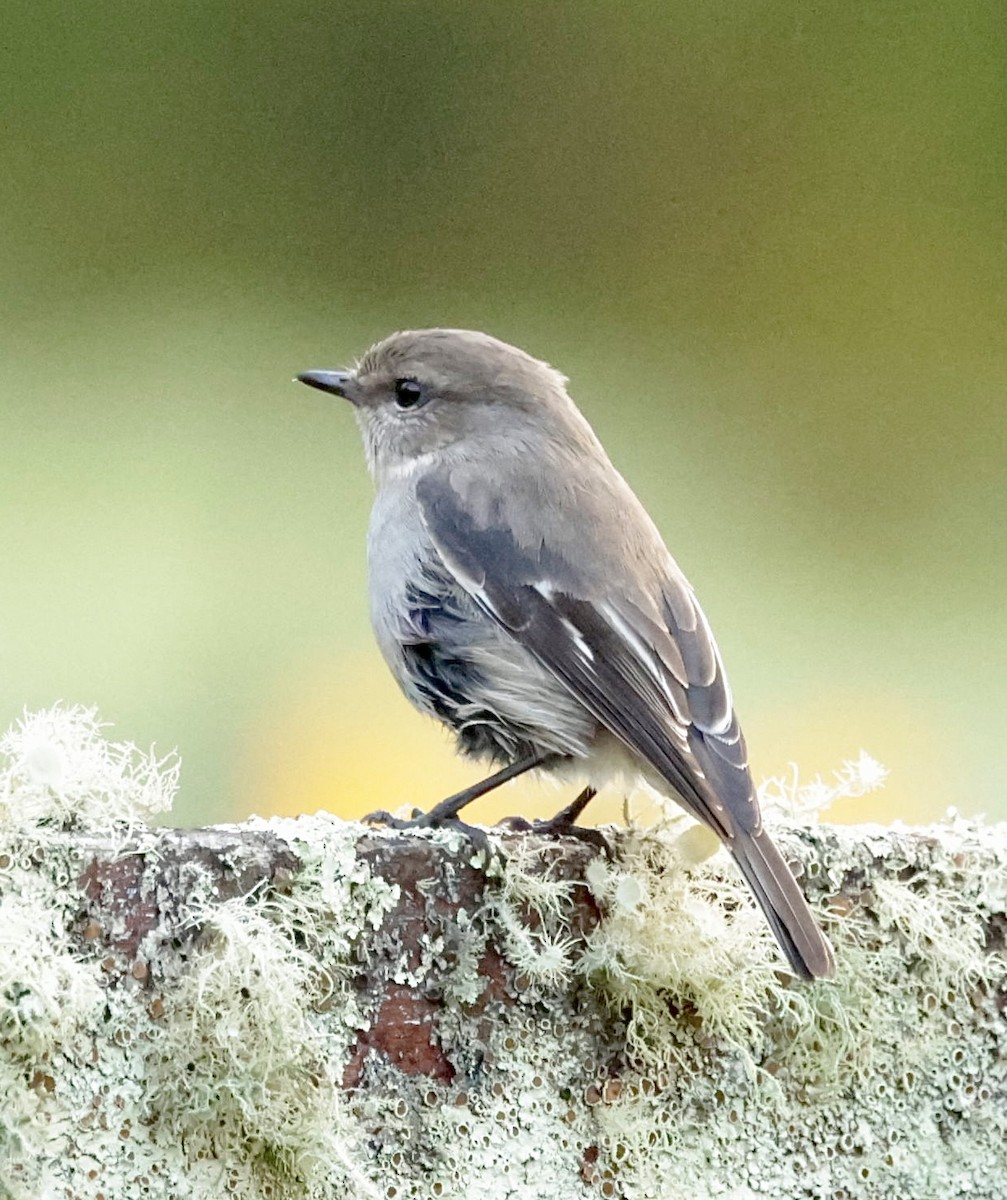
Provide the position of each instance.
(807, 949)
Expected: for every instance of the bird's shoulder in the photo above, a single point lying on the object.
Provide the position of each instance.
(567, 518)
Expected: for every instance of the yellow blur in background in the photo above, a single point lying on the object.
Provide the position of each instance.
(765, 242)
(349, 742)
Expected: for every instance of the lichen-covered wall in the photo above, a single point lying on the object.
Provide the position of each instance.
(310, 1009)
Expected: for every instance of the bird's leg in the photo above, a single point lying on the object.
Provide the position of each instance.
(564, 823)
(449, 809)
(567, 817)
(452, 806)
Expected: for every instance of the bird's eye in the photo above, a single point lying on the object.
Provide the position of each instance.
(408, 394)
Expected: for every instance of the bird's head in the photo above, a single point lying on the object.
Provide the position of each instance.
(421, 391)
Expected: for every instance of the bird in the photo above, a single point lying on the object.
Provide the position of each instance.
(521, 594)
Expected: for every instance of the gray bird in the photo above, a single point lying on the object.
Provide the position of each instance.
(521, 594)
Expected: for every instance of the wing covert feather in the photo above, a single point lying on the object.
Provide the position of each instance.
(656, 682)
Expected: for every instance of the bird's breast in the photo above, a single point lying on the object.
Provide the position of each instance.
(453, 661)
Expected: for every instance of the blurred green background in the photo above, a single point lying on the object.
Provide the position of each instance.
(766, 241)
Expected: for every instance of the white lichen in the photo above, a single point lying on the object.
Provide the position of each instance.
(596, 1027)
(531, 904)
(789, 796)
(58, 770)
(877, 1084)
(241, 1071)
(48, 998)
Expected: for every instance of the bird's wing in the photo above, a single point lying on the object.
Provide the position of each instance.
(646, 666)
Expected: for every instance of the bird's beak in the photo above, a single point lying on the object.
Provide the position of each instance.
(336, 382)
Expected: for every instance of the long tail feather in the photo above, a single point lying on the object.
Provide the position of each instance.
(807, 949)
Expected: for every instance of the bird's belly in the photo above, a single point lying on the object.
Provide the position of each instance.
(455, 663)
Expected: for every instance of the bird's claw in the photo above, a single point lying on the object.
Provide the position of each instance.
(422, 820)
(559, 826)
(383, 817)
(583, 833)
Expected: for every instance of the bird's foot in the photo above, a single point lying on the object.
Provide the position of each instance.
(563, 824)
(428, 820)
(554, 828)
(383, 817)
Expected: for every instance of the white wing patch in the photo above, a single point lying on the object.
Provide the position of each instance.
(547, 591)
(578, 640)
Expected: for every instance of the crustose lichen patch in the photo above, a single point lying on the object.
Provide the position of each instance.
(311, 1009)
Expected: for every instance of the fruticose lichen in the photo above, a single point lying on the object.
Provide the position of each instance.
(310, 1009)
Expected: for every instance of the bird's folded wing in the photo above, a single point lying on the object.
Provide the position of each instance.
(655, 681)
